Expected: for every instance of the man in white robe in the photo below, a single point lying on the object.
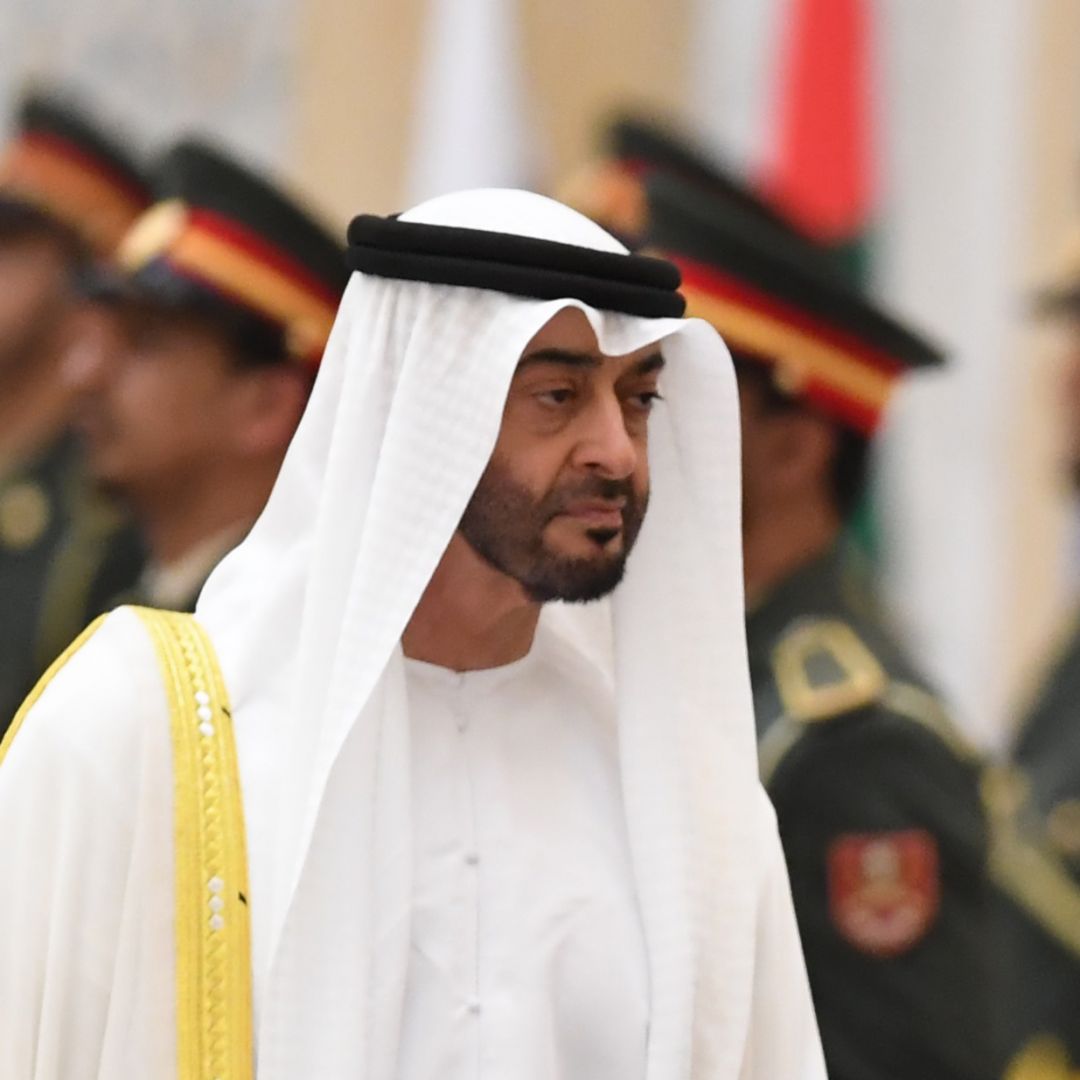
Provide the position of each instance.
(488, 836)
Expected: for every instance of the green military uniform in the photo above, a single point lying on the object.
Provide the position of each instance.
(880, 814)
(1037, 808)
(63, 553)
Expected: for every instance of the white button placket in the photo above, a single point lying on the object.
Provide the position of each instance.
(215, 887)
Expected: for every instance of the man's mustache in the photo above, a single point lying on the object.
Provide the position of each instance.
(597, 487)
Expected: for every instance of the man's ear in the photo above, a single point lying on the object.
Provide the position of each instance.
(269, 405)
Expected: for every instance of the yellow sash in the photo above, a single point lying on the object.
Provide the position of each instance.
(213, 945)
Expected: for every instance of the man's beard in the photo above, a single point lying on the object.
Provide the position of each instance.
(504, 524)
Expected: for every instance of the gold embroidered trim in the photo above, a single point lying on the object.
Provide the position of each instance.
(213, 944)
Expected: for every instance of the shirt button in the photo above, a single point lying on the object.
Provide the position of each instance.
(474, 1006)
(472, 858)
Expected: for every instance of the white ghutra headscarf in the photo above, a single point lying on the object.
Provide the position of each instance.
(307, 616)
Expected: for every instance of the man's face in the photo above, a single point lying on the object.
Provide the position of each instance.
(156, 396)
(564, 496)
(35, 297)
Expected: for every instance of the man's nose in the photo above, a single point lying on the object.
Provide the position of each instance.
(607, 446)
(90, 357)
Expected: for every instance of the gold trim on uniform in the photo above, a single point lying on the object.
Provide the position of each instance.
(1029, 873)
(744, 327)
(167, 230)
(861, 679)
(1044, 1058)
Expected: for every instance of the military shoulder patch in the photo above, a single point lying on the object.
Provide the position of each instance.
(884, 889)
(824, 669)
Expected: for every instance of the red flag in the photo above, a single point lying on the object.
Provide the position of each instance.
(821, 169)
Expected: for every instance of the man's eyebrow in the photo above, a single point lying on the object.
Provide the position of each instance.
(572, 358)
(568, 357)
(650, 363)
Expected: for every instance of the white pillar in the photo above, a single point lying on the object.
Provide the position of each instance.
(950, 258)
(470, 127)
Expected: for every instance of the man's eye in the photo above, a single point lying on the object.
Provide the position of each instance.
(559, 396)
(646, 400)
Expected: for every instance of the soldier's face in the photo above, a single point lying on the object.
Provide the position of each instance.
(1071, 395)
(787, 454)
(35, 301)
(773, 472)
(564, 496)
(158, 399)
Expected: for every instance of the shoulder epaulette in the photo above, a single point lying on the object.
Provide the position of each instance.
(823, 669)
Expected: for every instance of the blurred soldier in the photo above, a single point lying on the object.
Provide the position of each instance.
(1041, 799)
(208, 344)
(67, 195)
(878, 797)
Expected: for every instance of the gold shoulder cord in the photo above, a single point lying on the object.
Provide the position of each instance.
(1034, 877)
(213, 946)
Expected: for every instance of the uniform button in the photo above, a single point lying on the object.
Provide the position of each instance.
(472, 858)
(474, 1006)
